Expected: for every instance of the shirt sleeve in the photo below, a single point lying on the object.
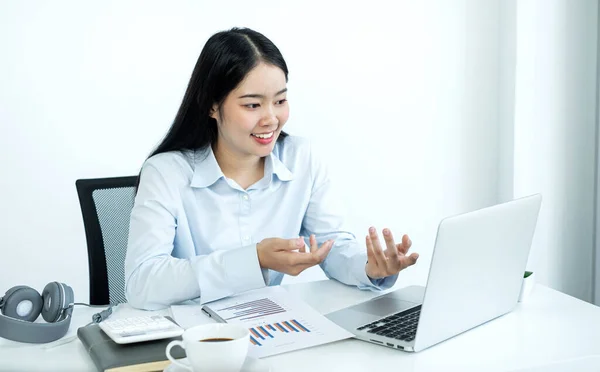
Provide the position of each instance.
(154, 279)
(346, 262)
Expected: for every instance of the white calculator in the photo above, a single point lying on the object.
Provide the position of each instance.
(141, 328)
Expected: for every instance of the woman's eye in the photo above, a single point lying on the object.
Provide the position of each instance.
(281, 101)
(252, 105)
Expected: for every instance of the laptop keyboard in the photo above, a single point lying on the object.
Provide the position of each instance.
(401, 326)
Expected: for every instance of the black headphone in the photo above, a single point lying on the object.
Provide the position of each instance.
(22, 305)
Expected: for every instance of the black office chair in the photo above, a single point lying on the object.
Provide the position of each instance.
(106, 205)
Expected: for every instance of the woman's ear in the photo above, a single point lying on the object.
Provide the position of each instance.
(214, 111)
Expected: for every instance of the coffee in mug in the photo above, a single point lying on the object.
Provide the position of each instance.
(216, 339)
(216, 347)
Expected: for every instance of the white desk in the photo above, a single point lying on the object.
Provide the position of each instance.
(549, 332)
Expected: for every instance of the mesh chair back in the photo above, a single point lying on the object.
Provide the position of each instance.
(106, 205)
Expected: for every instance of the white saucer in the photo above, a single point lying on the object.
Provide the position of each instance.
(250, 365)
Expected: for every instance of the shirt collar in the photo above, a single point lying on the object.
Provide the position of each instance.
(274, 166)
(207, 170)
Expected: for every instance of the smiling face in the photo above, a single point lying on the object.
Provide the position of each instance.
(253, 114)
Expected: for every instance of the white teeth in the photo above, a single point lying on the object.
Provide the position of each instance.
(264, 136)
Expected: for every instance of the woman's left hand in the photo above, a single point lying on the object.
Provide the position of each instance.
(391, 261)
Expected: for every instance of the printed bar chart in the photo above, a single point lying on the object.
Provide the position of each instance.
(251, 310)
(277, 321)
(262, 333)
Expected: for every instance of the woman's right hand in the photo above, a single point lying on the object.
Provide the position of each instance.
(289, 256)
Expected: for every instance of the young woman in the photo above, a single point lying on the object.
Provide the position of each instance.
(228, 202)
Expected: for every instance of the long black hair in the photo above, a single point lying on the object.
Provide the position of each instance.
(226, 59)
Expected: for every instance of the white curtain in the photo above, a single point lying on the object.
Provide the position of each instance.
(548, 132)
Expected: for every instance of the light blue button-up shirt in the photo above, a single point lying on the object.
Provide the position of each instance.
(193, 231)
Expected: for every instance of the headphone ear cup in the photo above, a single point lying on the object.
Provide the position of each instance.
(8, 294)
(53, 302)
(69, 296)
(23, 303)
(13, 289)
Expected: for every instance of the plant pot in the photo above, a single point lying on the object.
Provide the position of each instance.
(527, 285)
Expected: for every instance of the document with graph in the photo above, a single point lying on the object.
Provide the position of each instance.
(278, 322)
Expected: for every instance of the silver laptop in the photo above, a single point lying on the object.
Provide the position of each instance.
(475, 276)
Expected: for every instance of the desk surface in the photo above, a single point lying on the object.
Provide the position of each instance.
(549, 332)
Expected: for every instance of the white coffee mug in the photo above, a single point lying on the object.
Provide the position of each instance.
(213, 347)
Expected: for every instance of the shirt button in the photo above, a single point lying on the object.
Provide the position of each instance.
(246, 238)
(245, 197)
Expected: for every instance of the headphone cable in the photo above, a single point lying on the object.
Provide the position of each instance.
(98, 317)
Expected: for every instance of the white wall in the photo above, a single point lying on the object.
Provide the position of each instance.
(402, 98)
(506, 99)
(554, 135)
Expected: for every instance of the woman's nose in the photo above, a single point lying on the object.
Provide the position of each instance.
(269, 118)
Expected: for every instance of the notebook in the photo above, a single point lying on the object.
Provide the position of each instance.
(109, 356)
